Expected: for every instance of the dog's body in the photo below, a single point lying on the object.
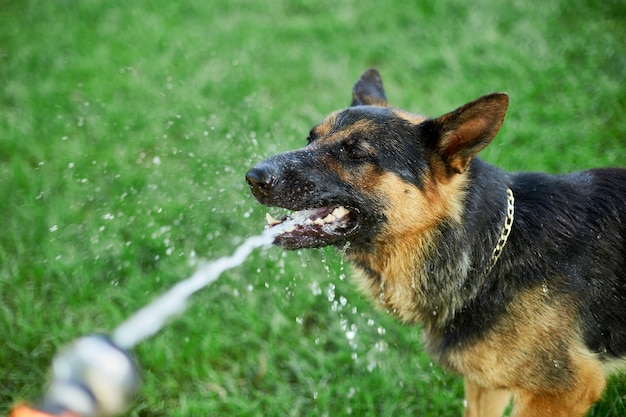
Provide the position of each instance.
(519, 280)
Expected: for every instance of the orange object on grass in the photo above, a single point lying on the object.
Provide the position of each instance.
(23, 410)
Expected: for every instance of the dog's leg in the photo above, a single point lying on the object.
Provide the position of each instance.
(485, 402)
(575, 402)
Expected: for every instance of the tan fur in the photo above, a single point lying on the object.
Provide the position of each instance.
(573, 402)
(323, 129)
(326, 133)
(540, 332)
(411, 216)
(409, 117)
(485, 402)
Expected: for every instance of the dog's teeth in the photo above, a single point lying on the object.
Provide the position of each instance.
(319, 221)
(329, 219)
(340, 211)
(270, 220)
(308, 222)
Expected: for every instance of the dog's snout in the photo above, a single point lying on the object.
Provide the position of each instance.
(261, 180)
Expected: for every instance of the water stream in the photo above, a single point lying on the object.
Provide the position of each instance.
(150, 319)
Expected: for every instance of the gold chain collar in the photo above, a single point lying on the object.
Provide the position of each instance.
(506, 230)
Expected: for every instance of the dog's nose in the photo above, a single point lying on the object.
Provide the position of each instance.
(261, 181)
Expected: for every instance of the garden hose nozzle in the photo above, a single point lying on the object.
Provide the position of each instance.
(91, 377)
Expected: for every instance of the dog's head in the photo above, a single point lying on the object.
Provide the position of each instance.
(371, 169)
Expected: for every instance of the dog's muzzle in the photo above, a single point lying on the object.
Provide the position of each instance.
(314, 222)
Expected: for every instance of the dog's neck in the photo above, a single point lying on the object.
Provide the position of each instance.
(418, 279)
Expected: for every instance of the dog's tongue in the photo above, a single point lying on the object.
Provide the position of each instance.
(313, 228)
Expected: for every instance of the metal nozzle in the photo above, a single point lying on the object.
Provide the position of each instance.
(91, 377)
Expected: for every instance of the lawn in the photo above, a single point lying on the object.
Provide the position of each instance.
(126, 129)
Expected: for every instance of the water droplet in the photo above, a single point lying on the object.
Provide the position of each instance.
(54, 228)
(315, 288)
(380, 346)
(330, 292)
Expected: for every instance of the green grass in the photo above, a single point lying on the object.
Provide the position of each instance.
(125, 132)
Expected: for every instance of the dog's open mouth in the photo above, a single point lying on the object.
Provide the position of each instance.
(314, 228)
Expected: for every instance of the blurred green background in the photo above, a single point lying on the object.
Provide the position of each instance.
(126, 129)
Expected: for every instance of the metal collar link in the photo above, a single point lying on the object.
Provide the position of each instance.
(506, 230)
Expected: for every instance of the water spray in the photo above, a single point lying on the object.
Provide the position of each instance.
(150, 319)
(95, 376)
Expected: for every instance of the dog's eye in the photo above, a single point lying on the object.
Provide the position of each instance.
(355, 151)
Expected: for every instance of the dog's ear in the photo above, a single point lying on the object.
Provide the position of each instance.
(369, 90)
(461, 134)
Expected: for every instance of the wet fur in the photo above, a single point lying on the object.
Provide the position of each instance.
(547, 323)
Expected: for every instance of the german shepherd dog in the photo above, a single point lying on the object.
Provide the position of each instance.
(518, 279)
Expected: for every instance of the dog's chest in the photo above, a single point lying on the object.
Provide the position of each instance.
(406, 292)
